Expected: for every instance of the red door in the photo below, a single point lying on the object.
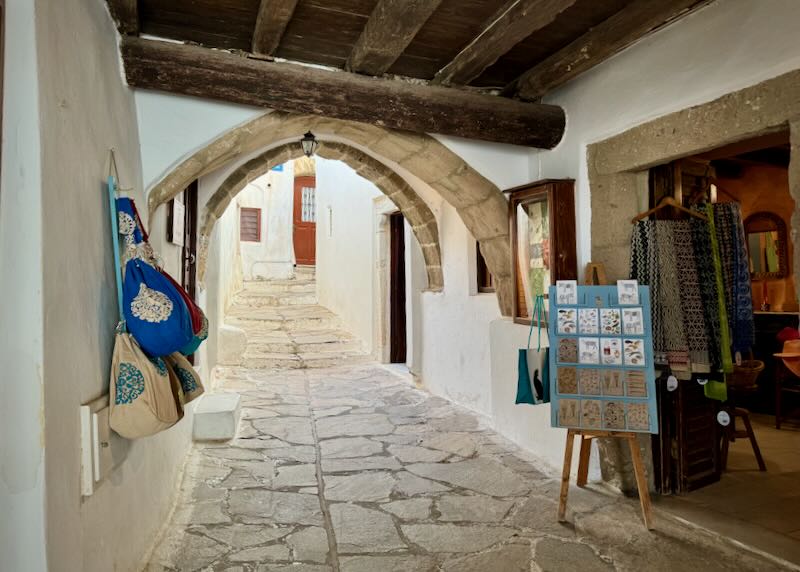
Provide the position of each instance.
(305, 220)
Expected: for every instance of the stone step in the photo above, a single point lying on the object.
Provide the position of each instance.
(288, 347)
(261, 299)
(256, 287)
(302, 361)
(253, 325)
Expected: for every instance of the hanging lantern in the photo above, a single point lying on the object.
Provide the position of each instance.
(309, 144)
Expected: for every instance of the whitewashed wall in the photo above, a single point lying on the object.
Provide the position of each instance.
(57, 278)
(22, 476)
(273, 255)
(345, 248)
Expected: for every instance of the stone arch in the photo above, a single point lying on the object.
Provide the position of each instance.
(480, 204)
(419, 215)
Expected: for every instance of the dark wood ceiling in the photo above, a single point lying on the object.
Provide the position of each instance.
(325, 31)
(517, 49)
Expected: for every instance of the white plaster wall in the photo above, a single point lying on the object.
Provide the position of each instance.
(223, 277)
(172, 126)
(273, 256)
(455, 324)
(22, 475)
(416, 284)
(85, 110)
(345, 251)
(723, 47)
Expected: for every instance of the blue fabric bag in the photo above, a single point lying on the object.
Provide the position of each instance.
(534, 389)
(155, 313)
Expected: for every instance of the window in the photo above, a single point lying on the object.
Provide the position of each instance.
(250, 225)
(485, 278)
(542, 218)
(309, 211)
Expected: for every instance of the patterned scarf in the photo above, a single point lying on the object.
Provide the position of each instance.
(691, 299)
(675, 342)
(644, 267)
(736, 274)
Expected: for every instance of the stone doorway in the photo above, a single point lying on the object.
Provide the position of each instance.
(618, 169)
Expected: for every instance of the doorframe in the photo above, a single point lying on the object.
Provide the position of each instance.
(617, 176)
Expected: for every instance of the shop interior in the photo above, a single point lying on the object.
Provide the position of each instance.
(741, 479)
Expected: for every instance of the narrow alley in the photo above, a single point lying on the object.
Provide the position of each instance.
(399, 286)
(354, 469)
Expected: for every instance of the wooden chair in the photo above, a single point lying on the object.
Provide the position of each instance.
(730, 434)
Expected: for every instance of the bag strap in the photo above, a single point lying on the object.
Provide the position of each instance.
(536, 317)
(112, 204)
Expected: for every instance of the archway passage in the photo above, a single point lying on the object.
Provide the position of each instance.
(422, 221)
(375, 153)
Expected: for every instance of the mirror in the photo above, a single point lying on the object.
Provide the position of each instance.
(766, 243)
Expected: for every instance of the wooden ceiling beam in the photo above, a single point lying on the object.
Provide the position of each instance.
(126, 14)
(390, 28)
(273, 17)
(517, 20)
(213, 74)
(598, 44)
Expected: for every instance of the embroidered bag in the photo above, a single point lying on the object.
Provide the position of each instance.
(189, 380)
(534, 389)
(140, 398)
(199, 321)
(155, 312)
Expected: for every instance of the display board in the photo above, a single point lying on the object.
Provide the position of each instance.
(602, 376)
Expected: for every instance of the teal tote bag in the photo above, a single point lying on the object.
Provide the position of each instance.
(534, 389)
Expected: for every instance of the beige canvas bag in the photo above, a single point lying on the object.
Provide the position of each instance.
(190, 381)
(140, 393)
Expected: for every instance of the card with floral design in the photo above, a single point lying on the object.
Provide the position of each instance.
(567, 380)
(614, 415)
(591, 414)
(589, 381)
(568, 350)
(638, 416)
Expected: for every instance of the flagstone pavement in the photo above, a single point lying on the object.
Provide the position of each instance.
(353, 469)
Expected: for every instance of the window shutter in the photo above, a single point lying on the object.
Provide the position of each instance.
(250, 225)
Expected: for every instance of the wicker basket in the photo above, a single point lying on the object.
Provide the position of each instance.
(745, 375)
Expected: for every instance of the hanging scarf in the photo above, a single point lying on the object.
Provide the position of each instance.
(709, 275)
(644, 268)
(670, 298)
(724, 342)
(736, 274)
(691, 300)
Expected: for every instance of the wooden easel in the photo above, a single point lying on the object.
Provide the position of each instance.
(595, 274)
(583, 468)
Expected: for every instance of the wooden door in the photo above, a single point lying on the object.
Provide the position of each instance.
(305, 220)
(189, 251)
(397, 289)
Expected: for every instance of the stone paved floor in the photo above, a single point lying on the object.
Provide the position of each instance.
(354, 470)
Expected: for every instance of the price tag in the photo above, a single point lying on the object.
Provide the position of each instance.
(672, 383)
(723, 418)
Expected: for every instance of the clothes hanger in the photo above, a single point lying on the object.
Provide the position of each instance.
(668, 202)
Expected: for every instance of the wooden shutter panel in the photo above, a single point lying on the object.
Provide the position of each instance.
(250, 225)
